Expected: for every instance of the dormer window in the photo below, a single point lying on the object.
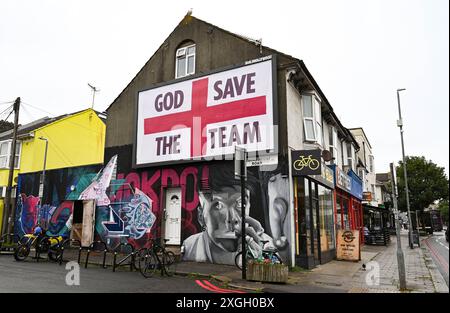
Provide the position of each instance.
(185, 61)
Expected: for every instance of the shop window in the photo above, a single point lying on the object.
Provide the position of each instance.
(185, 61)
(326, 219)
(304, 219)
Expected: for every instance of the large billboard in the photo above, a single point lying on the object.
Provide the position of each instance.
(205, 117)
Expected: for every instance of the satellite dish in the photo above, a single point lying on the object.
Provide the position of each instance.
(326, 155)
(16, 179)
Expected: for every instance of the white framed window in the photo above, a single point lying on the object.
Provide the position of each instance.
(318, 119)
(371, 164)
(308, 118)
(332, 142)
(185, 61)
(361, 173)
(5, 152)
(350, 152)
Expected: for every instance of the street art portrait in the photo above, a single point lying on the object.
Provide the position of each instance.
(219, 216)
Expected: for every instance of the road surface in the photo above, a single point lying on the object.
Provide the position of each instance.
(438, 247)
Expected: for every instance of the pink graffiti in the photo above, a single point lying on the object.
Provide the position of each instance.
(154, 184)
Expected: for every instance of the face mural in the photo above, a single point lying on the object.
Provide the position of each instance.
(220, 218)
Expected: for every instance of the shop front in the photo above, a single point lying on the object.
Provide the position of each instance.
(313, 208)
(348, 195)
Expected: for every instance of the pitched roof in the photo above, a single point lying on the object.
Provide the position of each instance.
(295, 61)
(22, 130)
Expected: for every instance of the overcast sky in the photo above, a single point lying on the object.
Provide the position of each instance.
(359, 52)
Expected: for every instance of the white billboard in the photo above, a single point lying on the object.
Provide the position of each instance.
(206, 117)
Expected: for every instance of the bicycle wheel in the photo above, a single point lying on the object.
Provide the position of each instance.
(21, 252)
(148, 263)
(168, 260)
(238, 259)
(298, 165)
(314, 164)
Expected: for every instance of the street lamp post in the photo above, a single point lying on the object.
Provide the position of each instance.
(43, 171)
(400, 125)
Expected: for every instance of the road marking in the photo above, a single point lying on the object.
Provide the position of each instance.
(443, 245)
(438, 257)
(210, 287)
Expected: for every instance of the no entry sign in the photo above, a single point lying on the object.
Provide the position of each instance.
(207, 116)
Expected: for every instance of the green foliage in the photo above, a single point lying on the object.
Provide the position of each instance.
(443, 207)
(5, 126)
(427, 183)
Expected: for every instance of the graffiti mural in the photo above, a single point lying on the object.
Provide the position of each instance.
(210, 204)
(56, 220)
(126, 221)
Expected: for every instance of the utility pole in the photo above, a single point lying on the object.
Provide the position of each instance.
(400, 256)
(240, 171)
(7, 222)
(400, 125)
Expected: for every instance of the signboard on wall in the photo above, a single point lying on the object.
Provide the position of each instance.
(348, 245)
(343, 181)
(306, 162)
(367, 196)
(204, 118)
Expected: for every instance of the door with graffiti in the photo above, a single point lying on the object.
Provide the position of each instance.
(173, 216)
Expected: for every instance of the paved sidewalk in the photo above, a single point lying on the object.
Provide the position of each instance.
(335, 276)
(421, 274)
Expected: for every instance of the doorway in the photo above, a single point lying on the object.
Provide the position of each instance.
(83, 219)
(172, 221)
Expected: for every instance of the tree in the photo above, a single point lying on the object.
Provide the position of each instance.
(427, 183)
(5, 126)
(443, 207)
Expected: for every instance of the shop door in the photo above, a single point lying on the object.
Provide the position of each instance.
(315, 242)
(173, 216)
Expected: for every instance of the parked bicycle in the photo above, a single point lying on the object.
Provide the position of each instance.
(157, 257)
(268, 255)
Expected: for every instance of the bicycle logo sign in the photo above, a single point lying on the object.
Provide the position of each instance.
(306, 162)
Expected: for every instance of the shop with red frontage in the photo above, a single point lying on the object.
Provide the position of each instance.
(348, 196)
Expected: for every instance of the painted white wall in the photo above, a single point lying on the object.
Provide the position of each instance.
(294, 117)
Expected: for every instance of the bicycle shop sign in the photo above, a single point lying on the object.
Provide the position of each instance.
(204, 118)
(306, 162)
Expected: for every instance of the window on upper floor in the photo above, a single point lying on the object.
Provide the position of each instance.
(332, 142)
(350, 161)
(5, 152)
(371, 164)
(312, 119)
(185, 61)
(361, 173)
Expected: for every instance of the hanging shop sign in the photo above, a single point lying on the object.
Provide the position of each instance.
(204, 118)
(367, 196)
(348, 245)
(306, 162)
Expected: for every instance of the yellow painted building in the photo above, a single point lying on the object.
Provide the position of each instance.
(76, 139)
